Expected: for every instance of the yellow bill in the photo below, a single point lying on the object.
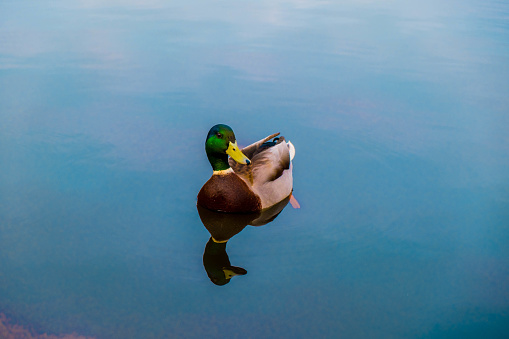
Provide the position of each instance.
(234, 152)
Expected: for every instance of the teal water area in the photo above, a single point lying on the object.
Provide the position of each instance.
(399, 115)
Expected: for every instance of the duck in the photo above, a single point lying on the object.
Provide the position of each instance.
(246, 180)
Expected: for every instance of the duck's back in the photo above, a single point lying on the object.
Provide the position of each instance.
(269, 175)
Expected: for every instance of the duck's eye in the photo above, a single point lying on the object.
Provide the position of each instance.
(219, 135)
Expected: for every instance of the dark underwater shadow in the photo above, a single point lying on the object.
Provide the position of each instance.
(222, 227)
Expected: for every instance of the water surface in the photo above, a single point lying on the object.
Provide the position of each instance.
(399, 114)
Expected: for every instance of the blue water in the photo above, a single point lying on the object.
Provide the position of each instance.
(399, 112)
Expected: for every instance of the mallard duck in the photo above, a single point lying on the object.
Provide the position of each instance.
(252, 179)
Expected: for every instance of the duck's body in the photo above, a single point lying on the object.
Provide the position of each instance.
(240, 185)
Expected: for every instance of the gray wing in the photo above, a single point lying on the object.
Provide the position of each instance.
(252, 149)
(267, 161)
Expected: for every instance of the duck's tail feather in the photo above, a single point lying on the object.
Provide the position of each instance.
(292, 150)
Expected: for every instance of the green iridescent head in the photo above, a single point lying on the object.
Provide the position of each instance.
(220, 143)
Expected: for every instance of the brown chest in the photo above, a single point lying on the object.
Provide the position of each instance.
(228, 193)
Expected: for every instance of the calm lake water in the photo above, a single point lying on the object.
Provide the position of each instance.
(399, 112)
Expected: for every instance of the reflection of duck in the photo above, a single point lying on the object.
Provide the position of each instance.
(217, 264)
(222, 227)
(241, 185)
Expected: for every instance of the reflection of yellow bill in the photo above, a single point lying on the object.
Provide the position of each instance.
(234, 152)
(229, 273)
(232, 271)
